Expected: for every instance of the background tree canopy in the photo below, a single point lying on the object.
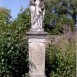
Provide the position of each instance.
(60, 14)
(60, 18)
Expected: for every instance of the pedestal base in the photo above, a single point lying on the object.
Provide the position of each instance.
(37, 76)
(36, 53)
(37, 30)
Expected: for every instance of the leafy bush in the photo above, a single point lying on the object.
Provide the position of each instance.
(59, 62)
(14, 46)
(13, 57)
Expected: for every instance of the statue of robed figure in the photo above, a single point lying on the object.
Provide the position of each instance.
(37, 39)
(37, 9)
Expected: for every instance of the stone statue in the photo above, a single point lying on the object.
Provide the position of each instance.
(37, 39)
(37, 14)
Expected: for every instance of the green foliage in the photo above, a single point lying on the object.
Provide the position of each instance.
(60, 13)
(14, 46)
(13, 56)
(4, 19)
(59, 62)
(22, 23)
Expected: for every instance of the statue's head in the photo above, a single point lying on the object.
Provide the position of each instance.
(39, 6)
(32, 2)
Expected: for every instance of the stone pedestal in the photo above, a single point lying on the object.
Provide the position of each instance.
(36, 53)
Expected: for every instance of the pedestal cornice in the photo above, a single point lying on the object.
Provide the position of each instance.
(37, 34)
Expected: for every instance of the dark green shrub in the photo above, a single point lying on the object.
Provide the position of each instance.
(13, 57)
(61, 63)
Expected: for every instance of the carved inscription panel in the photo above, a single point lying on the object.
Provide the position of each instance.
(37, 54)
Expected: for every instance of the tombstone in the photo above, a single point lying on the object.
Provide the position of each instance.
(37, 39)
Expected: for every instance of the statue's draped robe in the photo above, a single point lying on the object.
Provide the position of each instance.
(37, 14)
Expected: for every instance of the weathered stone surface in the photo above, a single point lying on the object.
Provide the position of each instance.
(37, 40)
(37, 76)
(37, 14)
(37, 56)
